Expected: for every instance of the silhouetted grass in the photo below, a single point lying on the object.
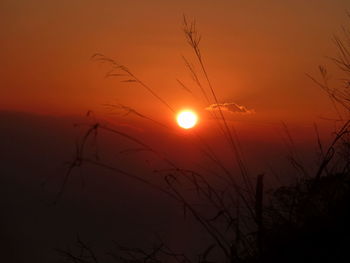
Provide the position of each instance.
(246, 224)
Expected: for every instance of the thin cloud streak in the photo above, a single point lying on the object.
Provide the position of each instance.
(230, 107)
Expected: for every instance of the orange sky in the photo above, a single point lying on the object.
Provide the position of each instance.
(256, 54)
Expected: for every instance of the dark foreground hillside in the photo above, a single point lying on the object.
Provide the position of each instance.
(309, 222)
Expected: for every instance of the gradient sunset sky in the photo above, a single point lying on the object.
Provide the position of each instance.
(256, 54)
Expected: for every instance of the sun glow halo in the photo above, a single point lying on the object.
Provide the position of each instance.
(187, 119)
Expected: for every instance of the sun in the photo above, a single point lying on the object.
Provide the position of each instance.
(187, 119)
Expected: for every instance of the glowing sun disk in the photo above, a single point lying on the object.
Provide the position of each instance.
(187, 119)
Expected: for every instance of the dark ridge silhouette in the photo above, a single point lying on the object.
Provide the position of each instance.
(304, 221)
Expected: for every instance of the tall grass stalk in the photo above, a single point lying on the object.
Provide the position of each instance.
(244, 226)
